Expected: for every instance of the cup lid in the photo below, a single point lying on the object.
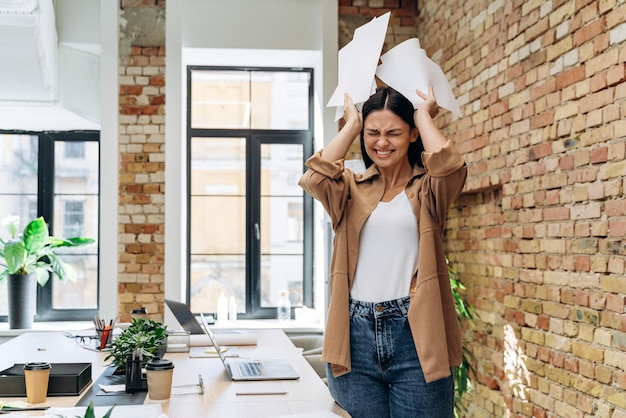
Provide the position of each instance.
(159, 364)
(40, 365)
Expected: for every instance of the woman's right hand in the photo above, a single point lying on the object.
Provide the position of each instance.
(351, 115)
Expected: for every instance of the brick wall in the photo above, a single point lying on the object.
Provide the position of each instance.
(141, 164)
(538, 236)
(354, 13)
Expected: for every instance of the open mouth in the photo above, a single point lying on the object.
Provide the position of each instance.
(383, 153)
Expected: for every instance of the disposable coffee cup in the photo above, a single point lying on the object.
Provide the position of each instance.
(159, 374)
(36, 376)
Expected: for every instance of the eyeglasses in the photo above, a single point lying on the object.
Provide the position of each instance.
(84, 340)
(199, 385)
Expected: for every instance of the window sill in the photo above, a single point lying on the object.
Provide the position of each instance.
(5, 331)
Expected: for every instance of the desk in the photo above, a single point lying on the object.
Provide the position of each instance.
(306, 395)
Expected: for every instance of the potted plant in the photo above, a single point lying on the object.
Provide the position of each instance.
(28, 258)
(143, 335)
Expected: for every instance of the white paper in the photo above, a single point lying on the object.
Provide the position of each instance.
(211, 352)
(406, 67)
(357, 63)
(202, 340)
(113, 388)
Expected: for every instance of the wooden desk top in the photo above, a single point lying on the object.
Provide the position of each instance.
(306, 395)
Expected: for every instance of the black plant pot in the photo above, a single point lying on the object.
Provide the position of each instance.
(22, 296)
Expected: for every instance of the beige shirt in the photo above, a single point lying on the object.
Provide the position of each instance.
(349, 199)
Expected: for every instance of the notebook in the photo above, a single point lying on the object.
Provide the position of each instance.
(184, 316)
(251, 369)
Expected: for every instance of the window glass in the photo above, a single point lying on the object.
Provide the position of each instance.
(218, 219)
(280, 100)
(250, 100)
(220, 99)
(282, 223)
(76, 204)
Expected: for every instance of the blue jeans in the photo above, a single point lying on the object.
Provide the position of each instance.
(386, 379)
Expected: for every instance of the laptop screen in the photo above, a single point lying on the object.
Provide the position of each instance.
(184, 316)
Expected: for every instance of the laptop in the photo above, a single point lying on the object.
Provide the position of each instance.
(184, 317)
(251, 369)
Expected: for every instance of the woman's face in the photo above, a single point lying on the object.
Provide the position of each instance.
(387, 137)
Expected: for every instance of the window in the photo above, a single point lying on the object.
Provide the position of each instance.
(56, 175)
(249, 231)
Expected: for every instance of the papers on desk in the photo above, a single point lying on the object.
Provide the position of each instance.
(211, 352)
(224, 338)
(120, 411)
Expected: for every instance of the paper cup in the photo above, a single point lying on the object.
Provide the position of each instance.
(159, 374)
(36, 376)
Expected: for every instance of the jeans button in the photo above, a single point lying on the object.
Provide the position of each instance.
(379, 308)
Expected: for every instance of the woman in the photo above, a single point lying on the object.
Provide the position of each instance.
(392, 335)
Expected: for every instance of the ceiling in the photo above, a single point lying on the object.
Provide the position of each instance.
(28, 47)
(47, 82)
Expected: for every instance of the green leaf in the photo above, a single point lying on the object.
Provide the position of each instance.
(89, 413)
(35, 235)
(109, 412)
(15, 255)
(60, 268)
(72, 242)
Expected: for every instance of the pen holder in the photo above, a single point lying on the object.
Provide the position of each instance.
(135, 378)
(105, 336)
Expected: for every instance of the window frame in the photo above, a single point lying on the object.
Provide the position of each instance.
(45, 207)
(255, 138)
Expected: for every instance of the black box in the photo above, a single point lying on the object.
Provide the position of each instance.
(66, 379)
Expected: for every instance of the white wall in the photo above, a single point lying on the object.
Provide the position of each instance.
(253, 24)
(109, 157)
(287, 33)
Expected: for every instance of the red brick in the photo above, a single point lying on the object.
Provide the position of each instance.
(157, 81)
(131, 90)
(570, 77)
(599, 155)
(588, 31)
(150, 51)
(540, 151)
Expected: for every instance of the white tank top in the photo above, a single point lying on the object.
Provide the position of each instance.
(388, 251)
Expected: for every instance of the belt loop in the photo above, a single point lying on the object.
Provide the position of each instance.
(403, 304)
(352, 306)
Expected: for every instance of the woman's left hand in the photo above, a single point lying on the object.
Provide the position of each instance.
(430, 103)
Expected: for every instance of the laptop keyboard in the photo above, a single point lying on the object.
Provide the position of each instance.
(250, 369)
